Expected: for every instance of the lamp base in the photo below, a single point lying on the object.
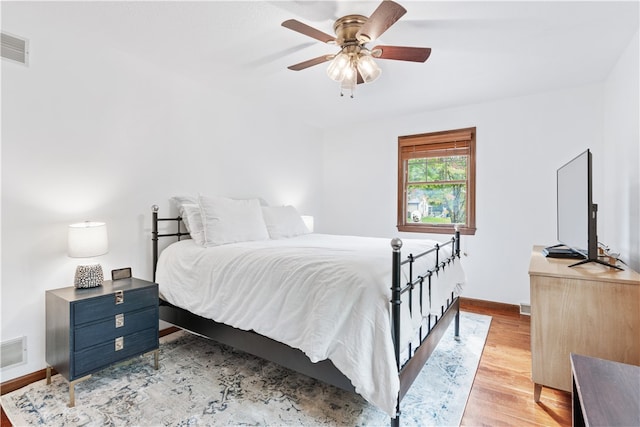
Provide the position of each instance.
(88, 276)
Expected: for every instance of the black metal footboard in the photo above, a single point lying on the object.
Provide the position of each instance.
(420, 283)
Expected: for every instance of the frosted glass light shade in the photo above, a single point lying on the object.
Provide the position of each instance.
(338, 67)
(368, 68)
(87, 239)
(350, 79)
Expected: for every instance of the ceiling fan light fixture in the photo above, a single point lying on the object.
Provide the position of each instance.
(368, 68)
(338, 67)
(350, 80)
(355, 63)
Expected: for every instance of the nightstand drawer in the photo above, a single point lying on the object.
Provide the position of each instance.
(100, 356)
(107, 305)
(115, 326)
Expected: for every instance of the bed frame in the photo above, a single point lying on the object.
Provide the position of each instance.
(284, 355)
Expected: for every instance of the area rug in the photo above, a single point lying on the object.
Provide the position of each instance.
(202, 383)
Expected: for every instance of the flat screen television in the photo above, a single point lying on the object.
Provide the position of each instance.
(577, 216)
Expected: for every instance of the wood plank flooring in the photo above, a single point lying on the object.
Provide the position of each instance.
(502, 392)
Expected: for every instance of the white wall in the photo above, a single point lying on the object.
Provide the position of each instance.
(620, 207)
(520, 144)
(98, 134)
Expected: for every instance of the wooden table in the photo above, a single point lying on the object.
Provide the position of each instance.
(605, 393)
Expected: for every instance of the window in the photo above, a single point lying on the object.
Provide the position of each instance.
(436, 182)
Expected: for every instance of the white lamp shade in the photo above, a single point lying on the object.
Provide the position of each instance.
(87, 239)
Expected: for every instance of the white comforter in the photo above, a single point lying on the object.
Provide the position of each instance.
(326, 295)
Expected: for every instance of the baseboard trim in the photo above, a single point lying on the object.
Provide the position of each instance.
(169, 330)
(23, 381)
(489, 305)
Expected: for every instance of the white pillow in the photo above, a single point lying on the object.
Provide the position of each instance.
(190, 212)
(283, 222)
(193, 221)
(181, 200)
(228, 220)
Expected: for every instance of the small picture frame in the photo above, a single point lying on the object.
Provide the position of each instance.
(121, 273)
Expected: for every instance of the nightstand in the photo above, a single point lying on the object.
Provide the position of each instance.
(90, 329)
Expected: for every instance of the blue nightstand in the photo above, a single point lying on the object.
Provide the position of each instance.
(90, 329)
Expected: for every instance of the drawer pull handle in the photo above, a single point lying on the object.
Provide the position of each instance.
(119, 297)
(119, 343)
(119, 320)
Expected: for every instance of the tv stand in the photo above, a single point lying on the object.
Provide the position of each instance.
(593, 311)
(599, 261)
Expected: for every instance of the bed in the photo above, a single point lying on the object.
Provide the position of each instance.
(346, 310)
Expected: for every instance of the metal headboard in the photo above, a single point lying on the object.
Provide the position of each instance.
(155, 235)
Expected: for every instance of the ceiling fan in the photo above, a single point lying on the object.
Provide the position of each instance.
(354, 63)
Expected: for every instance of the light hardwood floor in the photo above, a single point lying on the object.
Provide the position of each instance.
(502, 392)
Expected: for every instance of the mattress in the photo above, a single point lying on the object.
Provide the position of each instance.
(326, 295)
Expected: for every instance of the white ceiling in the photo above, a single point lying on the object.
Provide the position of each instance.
(481, 50)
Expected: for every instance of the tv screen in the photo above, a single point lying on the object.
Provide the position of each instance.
(576, 212)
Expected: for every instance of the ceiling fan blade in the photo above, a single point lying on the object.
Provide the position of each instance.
(387, 13)
(298, 26)
(310, 62)
(401, 53)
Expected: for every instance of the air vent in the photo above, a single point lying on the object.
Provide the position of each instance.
(13, 352)
(15, 48)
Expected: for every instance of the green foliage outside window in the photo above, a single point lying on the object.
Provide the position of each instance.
(437, 190)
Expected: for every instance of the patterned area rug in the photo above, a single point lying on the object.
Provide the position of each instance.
(202, 383)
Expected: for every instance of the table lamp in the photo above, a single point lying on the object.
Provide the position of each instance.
(87, 240)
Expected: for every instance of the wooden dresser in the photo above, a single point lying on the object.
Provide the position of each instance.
(591, 309)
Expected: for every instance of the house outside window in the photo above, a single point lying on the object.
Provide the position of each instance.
(436, 182)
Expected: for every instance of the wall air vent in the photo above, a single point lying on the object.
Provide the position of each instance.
(13, 352)
(15, 49)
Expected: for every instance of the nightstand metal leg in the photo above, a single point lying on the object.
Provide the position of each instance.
(156, 357)
(48, 375)
(72, 390)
